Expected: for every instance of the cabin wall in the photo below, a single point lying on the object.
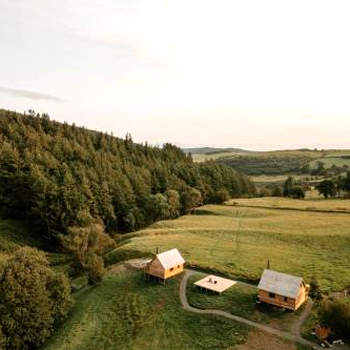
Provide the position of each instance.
(174, 271)
(278, 300)
(155, 268)
(302, 297)
(288, 303)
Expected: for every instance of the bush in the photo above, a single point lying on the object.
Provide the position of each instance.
(220, 196)
(32, 298)
(277, 191)
(87, 244)
(336, 315)
(315, 291)
(297, 192)
(95, 269)
(190, 199)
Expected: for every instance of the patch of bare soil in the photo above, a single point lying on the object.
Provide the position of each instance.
(258, 340)
(115, 269)
(137, 264)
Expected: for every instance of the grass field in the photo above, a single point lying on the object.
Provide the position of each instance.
(240, 300)
(330, 161)
(319, 204)
(268, 154)
(125, 312)
(238, 241)
(331, 155)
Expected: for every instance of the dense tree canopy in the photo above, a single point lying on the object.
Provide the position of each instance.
(32, 298)
(59, 176)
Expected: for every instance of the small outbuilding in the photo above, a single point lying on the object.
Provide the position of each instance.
(165, 265)
(282, 290)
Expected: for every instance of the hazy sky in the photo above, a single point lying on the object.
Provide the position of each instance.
(253, 74)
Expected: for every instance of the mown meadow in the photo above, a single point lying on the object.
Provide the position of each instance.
(240, 299)
(125, 312)
(238, 241)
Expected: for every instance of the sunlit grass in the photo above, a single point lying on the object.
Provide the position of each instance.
(126, 312)
(238, 241)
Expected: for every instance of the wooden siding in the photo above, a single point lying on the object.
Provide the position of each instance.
(286, 302)
(154, 268)
(174, 271)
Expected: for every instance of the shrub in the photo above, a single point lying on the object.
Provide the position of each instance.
(32, 298)
(315, 291)
(87, 244)
(336, 315)
(190, 199)
(277, 191)
(220, 196)
(95, 268)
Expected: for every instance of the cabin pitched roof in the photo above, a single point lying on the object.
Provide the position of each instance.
(280, 283)
(170, 258)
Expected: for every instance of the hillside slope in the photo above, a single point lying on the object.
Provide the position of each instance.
(57, 175)
(302, 161)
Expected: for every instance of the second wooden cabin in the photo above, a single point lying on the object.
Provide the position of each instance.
(165, 265)
(283, 290)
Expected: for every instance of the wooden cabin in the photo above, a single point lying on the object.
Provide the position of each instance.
(165, 265)
(283, 290)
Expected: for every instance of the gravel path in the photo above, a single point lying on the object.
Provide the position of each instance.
(296, 326)
(289, 336)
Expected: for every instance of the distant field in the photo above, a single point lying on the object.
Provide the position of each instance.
(275, 164)
(238, 241)
(280, 202)
(269, 154)
(330, 161)
(204, 157)
(332, 154)
(263, 179)
(127, 313)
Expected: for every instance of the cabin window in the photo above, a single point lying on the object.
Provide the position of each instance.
(285, 299)
(172, 269)
(272, 295)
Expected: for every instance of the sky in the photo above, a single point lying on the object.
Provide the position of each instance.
(258, 74)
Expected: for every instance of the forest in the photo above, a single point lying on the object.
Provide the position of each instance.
(57, 176)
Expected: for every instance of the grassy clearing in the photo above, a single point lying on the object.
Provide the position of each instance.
(287, 203)
(238, 241)
(240, 300)
(125, 312)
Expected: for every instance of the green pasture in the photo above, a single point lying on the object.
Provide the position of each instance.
(127, 313)
(238, 242)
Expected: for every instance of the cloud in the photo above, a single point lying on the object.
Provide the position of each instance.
(30, 94)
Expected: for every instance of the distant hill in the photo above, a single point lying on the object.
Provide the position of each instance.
(279, 162)
(213, 150)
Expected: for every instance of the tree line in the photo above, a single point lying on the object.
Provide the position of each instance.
(59, 176)
(338, 186)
